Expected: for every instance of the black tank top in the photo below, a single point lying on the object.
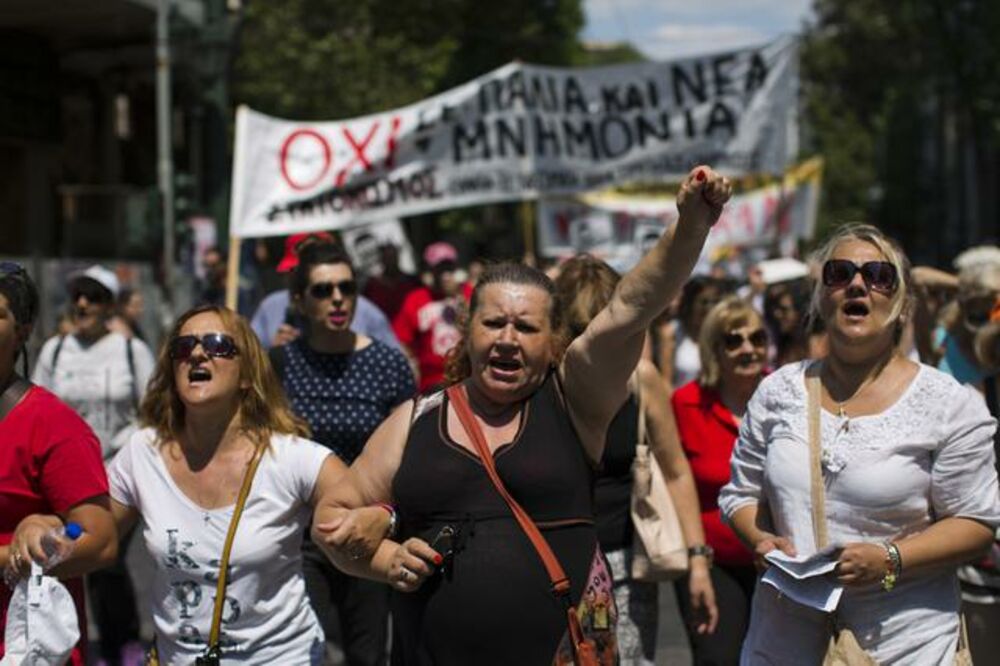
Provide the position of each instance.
(613, 492)
(544, 468)
(491, 603)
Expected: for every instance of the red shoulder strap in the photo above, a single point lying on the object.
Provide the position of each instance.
(560, 582)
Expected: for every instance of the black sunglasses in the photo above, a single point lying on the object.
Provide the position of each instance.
(733, 341)
(878, 275)
(323, 290)
(216, 345)
(92, 291)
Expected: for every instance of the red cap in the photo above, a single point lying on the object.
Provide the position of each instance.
(291, 258)
(439, 252)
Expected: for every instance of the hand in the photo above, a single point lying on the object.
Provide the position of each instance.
(702, 593)
(285, 334)
(26, 545)
(413, 562)
(701, 197)
(861, 564)
(768, 543)
(355, 532)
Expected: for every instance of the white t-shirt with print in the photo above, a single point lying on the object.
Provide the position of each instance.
(267, 618)
(95, 380)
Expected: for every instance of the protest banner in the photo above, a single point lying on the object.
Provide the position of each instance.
(363, 244)
(519, 132)
(621, 228)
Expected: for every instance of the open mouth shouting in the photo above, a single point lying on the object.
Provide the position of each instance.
(505, 369)
(199, 376)
(855, 311)
(339, 318)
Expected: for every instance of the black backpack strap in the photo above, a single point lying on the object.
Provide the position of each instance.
(12, 395)
(55, 355)
(278, 358)
(131, 369)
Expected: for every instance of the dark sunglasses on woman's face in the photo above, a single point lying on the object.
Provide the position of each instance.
(878, 275)
(733, 341)
(215, 345)
(324, 290)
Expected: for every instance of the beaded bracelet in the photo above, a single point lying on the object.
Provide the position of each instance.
(894, 566)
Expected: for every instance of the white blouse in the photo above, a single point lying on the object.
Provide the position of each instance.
(929, 456)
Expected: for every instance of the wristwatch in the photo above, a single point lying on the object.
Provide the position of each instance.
(702, 549)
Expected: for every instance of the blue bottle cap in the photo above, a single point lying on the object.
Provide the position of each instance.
(73, 530)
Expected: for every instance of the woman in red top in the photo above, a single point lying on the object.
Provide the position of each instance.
(50, 467)
(733, 347)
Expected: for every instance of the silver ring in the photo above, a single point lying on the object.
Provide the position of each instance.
(404, 573)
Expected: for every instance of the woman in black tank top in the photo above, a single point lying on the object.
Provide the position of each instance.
(481, 595)
(584, 286)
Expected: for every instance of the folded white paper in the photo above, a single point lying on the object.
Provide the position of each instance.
(806, 580)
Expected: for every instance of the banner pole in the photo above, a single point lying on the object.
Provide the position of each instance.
(528, 232)
(233, 273)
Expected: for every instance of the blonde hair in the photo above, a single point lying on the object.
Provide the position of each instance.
(902, 299)
(729, 313)
(264, 409)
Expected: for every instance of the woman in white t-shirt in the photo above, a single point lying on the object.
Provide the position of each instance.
(212, 401)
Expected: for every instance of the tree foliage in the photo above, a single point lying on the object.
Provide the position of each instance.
(902, 100)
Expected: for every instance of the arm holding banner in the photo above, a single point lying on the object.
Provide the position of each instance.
(598, 364)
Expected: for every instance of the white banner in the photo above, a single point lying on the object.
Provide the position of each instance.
(521, 131)
(620, 228)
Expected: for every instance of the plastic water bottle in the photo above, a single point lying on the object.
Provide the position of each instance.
(58, 543)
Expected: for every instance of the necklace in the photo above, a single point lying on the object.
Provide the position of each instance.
(842, 404)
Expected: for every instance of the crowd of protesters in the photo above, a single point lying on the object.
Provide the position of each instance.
(357, 405)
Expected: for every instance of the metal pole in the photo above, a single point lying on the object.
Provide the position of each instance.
(163, 143)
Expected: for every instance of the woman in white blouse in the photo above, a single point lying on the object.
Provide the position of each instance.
(213, 401)
(907, 458)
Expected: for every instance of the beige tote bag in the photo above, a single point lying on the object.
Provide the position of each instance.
(658, 548)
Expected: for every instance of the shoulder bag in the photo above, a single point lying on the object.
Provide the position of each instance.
(843, 649)
(213, 653)
(658, 548)
(585, 650)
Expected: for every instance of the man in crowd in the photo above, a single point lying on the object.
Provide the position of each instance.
(389, 289)
(276, 322)
(427, 322)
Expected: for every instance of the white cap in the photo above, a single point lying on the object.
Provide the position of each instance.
(102, 276)
(783, 269)
(42, 625)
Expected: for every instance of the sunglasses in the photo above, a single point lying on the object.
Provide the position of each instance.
(92, 291)
(878, 275)
(324, 290)
(977, 311)
(733, 341)
(215, 345)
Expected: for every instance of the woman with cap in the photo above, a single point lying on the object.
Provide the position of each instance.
(427, 322)
(102, 375)
(469, 586)
(51, 464)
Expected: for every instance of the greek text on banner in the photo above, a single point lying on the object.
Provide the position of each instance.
(521, 131)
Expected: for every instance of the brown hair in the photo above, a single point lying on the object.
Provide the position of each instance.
(584, 286)
(264, 409)
(729, 313)
(456, 364)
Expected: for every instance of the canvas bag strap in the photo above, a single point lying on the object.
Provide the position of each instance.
(642, 410)
(220, 588)
(560, 582)
(815, 458)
